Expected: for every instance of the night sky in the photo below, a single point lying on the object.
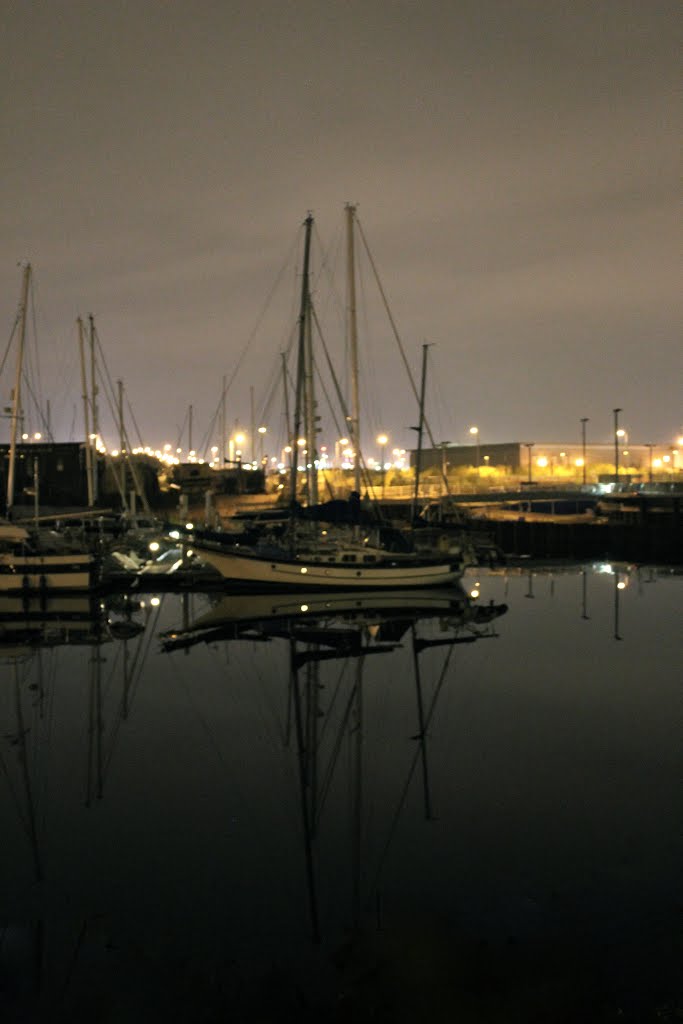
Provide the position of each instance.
(516, 170)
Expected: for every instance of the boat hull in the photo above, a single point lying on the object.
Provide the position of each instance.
(38, 573)
(254, 571)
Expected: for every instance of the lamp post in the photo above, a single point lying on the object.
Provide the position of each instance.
(262, 431)
(649, 468)
(529, 446)
(474, 431)
(382, 442)
(616, 445)
(584, 421)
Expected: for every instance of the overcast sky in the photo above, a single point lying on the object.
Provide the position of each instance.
(516, 170)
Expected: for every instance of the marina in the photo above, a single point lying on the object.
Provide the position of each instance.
(341, 553)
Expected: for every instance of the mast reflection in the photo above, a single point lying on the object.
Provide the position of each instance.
(347, 628)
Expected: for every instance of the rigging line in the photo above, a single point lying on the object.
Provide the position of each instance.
(330, 367)
(368, 373)
(411, 772)
(333, 699)
(135, 424)
(47, 743)
(344, 408)
(109, 394)
(182, 429)
(105, 378)
(329, 271)
(336, 750)
(252, 335)
(28, 787)
(141, 655)
(11, 339)
(14, 795)
(394, 328)
(32, 303)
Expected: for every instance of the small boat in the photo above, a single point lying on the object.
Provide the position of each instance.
(346, 567)
(35, 561)
(26, 567)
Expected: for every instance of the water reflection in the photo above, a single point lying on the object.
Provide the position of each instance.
(199, 788)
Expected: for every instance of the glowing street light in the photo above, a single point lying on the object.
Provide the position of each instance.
(382, 440)
(474, 431)
(584, 421)
(616, 445)
(529, 445)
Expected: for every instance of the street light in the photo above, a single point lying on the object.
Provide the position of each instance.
(529, 446)
(616, 445)
(261, 432)
(382, 442)
(475, 433)
(584, 421)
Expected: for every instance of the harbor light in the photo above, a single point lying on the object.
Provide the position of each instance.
(474, 431)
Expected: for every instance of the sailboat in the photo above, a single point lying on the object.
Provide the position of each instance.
(27, 564)
(318, 557)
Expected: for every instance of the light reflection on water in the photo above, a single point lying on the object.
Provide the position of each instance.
(495, 818)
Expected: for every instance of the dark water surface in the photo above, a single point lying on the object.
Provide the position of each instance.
(245, 830)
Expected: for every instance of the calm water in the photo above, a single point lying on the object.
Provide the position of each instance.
(242, 829)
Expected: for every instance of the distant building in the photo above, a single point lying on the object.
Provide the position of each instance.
(196, 478)
(60, 471)
(547, 456)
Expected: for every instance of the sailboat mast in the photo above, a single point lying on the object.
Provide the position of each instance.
(94, 390)
(420, 427)
(16, 397)
(86, 414)
(221, 464)
(122, 446)
(303, 319)
(353, 343)
(289, 442)
(310, 406)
